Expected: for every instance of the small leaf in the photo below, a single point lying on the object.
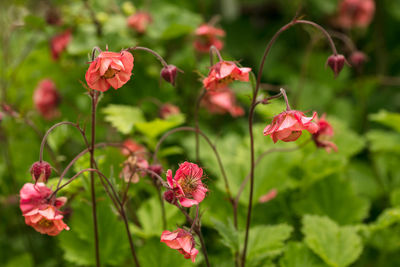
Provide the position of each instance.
(337, 246)
(298, 255)
(154, 128)
(123, 117)
(230, 236)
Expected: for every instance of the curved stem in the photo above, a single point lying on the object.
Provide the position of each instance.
(161, 199)
(346, 40)
(191, 129)
(163, 183)
(319, 27)
(154, 53)
(283, 92)
(214, 50)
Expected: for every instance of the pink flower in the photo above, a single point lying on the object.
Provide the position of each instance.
(37, 210)
(223, 73)
(187, 184)
(46, 221)
(46, 99)
(288, 126)
(222, 101)
(59, 43)
(131, 146)
(268, 196)
(109, 69)
(324, 134)
(206, 36)
(168, 109)
(140, 21)
(355, 13)
(182, 241)
(129, 171)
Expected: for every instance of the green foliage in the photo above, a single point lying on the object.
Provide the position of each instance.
(337, 246)
(389, 119)
(123, 117)
(156, 127)
(298, 255)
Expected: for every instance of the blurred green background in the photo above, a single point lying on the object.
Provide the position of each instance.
(332, 209)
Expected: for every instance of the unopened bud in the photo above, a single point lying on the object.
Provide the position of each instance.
(157, 168)
(169, 73)
(40, 171)
(357, 59)
(169, 196)
(336, 63)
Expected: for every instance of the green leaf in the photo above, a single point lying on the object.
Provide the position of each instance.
(337, 246)
(385, 232)
(123, 117)
(335, 198)
(25, 260)
(230, 236)
(266, 242)
(387, 118)
(298, 255)
(34, 22)
(383, 141)
(154, 128)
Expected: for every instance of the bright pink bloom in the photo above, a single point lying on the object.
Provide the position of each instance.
(59, 43)
(187, 184)
(131, 146)
(109, 69)
(324, 134)
(40, 171)
(182, 241)
(46, 99)
(168, 109)
(288, 126)
(223, 73)
(139, 21)
(268, 196)
(206, 36)
(222, 101)
(355, 13)
(37, 210)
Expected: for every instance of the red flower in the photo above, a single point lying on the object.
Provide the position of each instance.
(46, 99)
(268, 196)
(355, 13)
(187, 184)
(129, 171)
(109, 69)
(221, 102)
(140, 21)
(59, 43)
(168, 109)
(288, 126)
(223, 73)
(206, 36)
(38, 212)
(131, 146)
(182, 241)
(324, 134)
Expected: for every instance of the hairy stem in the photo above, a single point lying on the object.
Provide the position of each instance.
(154, 53)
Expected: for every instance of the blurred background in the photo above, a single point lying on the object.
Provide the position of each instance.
(353, 193)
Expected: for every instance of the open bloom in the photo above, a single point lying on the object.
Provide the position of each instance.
(322, 138)
(355, 13)
(46, 99)
(59, 43)
(288, 126)
(182, 241)
(206, 36)
(223, 73)
(139, 21)
(109, 69)
(37, 210)
(222, 101)
(187, 185)
(129, 171)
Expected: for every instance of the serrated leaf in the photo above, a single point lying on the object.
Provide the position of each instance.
(335, 198)
(387, 118)
(230, 236)
(298, 255)
(337, 246)
(123, 117)
(154, 128)
(385, 232)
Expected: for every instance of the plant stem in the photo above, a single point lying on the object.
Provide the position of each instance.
(160, 197)
(154, 53)
(214, 50)
(94, 96)
(124, 218)
(196, 121)
(203, 246)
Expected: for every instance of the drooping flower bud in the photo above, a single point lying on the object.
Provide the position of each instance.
(157, 168)
(169, 73)
(357, 59)
(41, 171)
(336, 63)
(169, 196)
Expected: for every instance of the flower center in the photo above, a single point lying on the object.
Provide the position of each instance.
(45, 223)
(226, 80)
(188, 184)
(110, 73)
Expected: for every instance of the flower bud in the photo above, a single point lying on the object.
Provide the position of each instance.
(169, 196)
(336, 63)
(357, 59)
(169, 73)
(168, 109)
(157, 168)
(41, 171)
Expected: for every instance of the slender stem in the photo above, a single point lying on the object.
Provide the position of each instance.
(196, 121)
(94, 95)
(163, 183)
(251, 116)
(160, 197)
(286, 99)
(160, 58)
(345, 39)
(195, 219)
(214, 50)
(128, 231)
(94, 50)
(203, 246)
